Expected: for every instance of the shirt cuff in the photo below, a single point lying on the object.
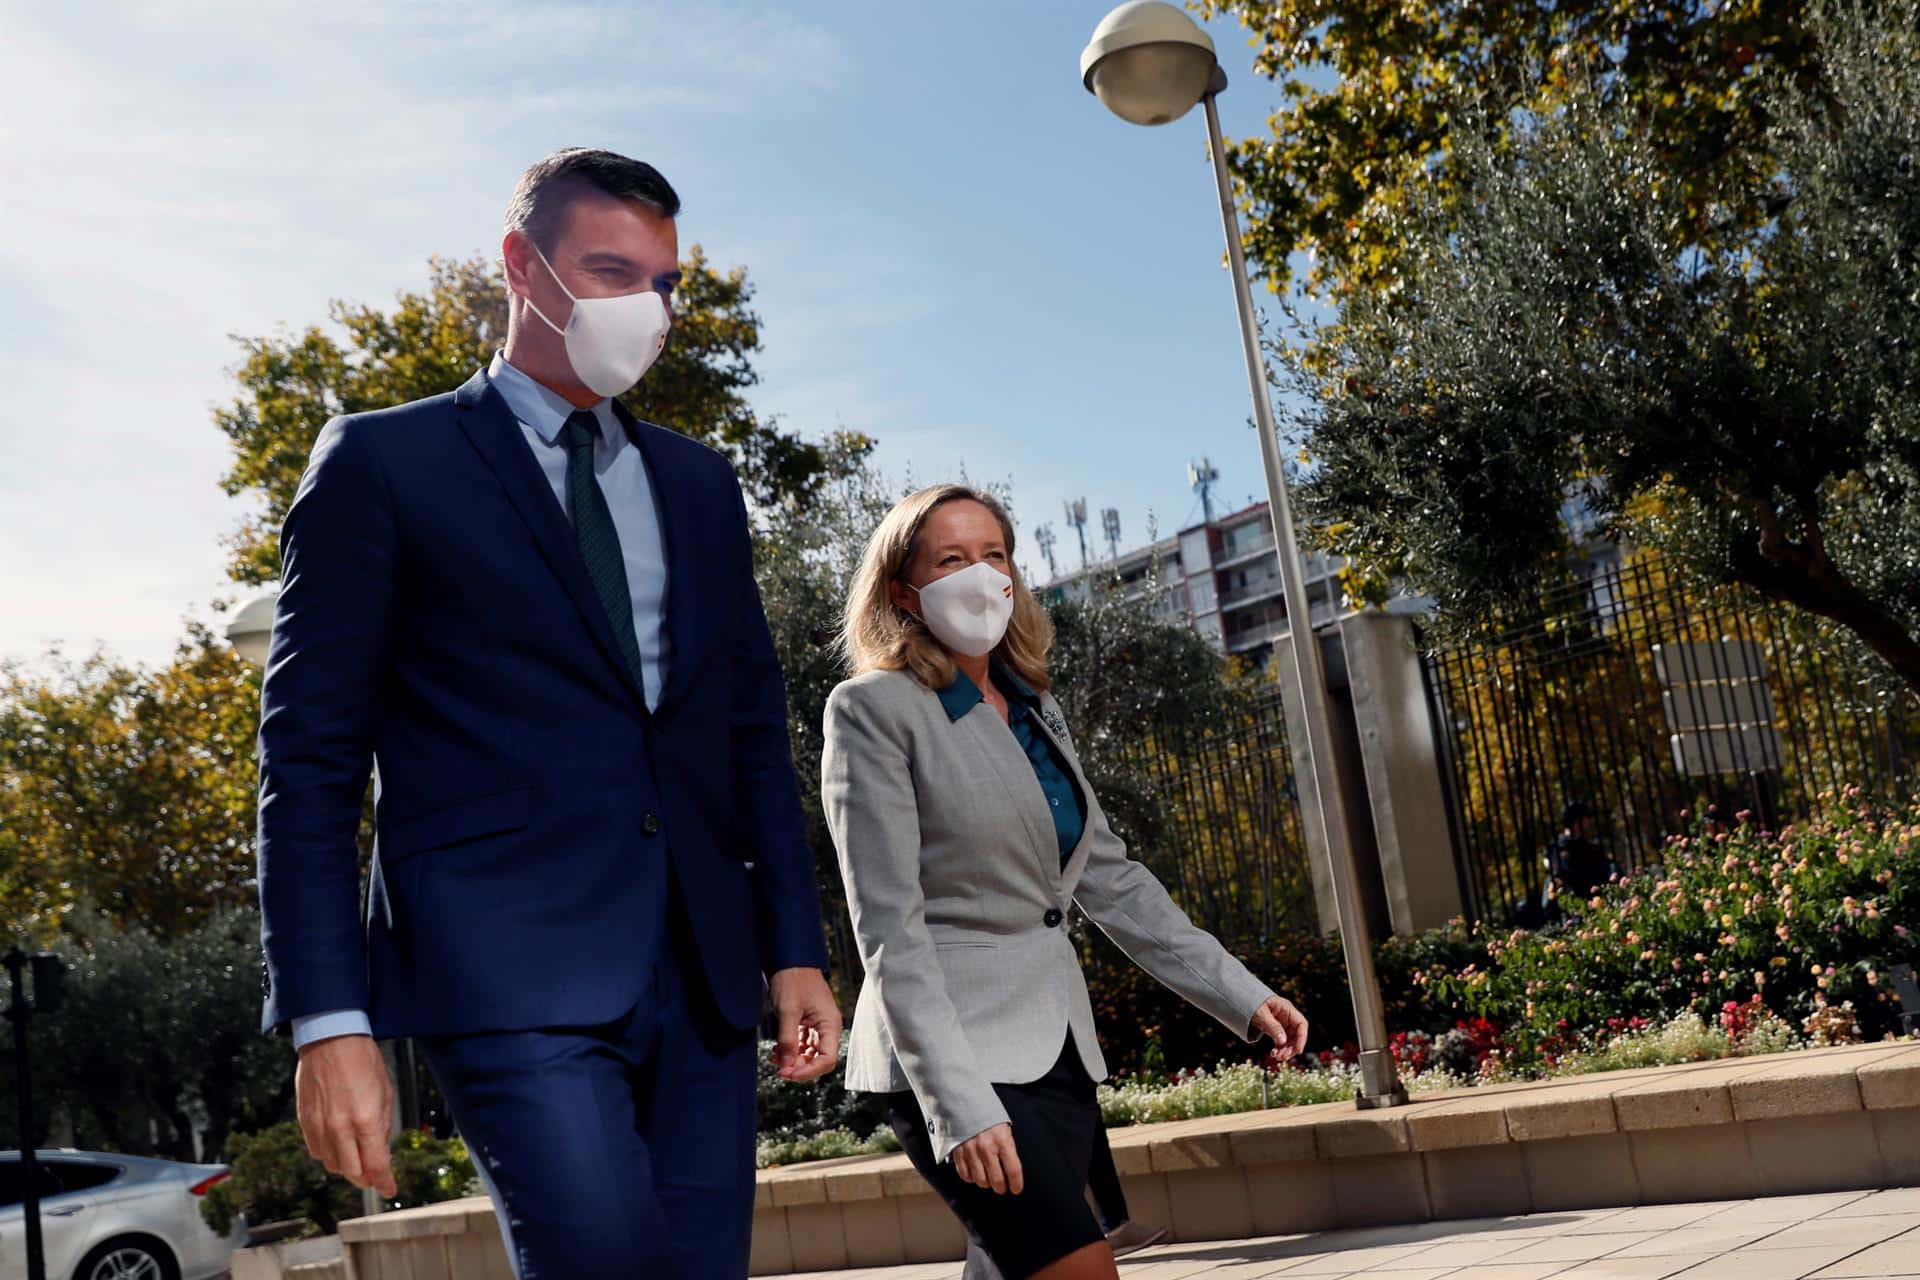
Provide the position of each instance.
(315, 1027)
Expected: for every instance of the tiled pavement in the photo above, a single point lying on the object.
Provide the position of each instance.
(1843, 1236)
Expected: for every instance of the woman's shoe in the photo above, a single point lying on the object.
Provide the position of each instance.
(1131, 1237)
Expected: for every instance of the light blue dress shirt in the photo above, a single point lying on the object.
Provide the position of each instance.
(623, 476)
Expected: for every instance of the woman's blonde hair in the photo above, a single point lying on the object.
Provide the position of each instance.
(880, 636)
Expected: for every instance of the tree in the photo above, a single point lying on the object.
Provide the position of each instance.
(431, 342)
(159, 1038)
(127, 791)
(1373, 91)
(1745, 400)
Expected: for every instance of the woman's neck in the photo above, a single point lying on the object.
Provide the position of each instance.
(975, 669)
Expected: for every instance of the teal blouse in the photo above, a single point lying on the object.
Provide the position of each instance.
(1050, 768)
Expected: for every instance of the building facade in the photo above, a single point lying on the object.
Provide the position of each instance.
(1223, 578)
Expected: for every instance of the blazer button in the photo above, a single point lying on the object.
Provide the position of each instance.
(651, 824)
(1053, 918)
(929, 1126)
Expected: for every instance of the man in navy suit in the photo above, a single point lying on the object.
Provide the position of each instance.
(533, 619)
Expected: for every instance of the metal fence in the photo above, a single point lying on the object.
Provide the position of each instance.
(1566, 706)
(1227, 840)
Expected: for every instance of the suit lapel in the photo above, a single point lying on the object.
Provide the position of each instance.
(679, 538)
(1016, 774)
(1077, 859)
(494, 432)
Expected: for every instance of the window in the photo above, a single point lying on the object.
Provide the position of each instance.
(1194, 551)
(13, 1183)
(78, 1175)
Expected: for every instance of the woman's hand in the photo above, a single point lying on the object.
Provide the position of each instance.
(989, 1160)
(1285, 1024)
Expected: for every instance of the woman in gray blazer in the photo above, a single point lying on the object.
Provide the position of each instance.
(965, 830)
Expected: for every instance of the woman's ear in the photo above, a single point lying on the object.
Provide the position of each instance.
(902, 596)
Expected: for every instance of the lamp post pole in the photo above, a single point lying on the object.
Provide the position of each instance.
(1149, 62)
(18, 1012)
(251, 633)
(1379, 1081)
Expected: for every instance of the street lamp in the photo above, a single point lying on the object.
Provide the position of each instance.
(251, 631)
(1150, 64)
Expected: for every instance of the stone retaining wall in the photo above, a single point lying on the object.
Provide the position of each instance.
(1821, 1120)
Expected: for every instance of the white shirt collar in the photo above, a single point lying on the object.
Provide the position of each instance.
(543, 409)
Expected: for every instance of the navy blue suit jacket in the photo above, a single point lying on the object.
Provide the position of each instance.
(435, 618)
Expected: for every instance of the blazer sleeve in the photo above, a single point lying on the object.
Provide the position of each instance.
(866, 783)
(786, 896)
(317, 708)
(1133, 908)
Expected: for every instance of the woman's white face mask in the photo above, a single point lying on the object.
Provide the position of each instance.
(611, 342)
(968, 611)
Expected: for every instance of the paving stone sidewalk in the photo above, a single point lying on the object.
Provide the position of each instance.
(1853, 1235)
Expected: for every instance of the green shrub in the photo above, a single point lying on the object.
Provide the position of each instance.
(429, 1169)
(1144, 1027)
(1806, 920)
(787, 1110)
(829, 1144)
(275, 1179)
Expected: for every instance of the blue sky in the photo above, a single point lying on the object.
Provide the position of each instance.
(957, 250)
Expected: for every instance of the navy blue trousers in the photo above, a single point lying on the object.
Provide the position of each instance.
(621, 1150)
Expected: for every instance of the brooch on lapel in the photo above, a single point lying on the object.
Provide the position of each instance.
(1054, 722)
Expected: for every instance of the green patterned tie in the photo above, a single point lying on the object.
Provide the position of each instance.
(598, 540)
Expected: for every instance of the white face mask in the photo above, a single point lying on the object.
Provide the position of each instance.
(611, 342)
(968, 611)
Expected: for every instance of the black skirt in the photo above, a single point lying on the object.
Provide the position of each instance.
(1055, 1119)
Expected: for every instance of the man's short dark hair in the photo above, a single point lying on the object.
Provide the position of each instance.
(539, 203)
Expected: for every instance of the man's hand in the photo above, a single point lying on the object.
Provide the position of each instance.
(809, 1044)
(1285, 1024)
(345, 1100)
(991, 1160)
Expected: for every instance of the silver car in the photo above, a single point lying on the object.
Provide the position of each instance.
(110, 1217)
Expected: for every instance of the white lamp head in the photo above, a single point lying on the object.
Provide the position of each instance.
(1148, 61)
(251, 631)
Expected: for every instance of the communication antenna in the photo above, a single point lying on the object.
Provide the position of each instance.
(1201, 477)
(1044, 536)
(1110, 524)
(1077, 517)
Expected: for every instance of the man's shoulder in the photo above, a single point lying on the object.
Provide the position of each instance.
(375, 426)
(677, 449)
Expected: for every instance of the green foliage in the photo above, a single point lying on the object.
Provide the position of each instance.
(1141, 1020)
(828, 1144)
(1565, 317)
(274, 1179)
(1145, 1028)
(159, 1037)
(786, 1110)
(1372, 96)
(1235, 1087)
(428, 1169)
(1125, 672)
(806, 554)
(1803, 920)
(126, 791)
(430, 343)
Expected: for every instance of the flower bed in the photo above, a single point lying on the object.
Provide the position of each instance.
(1738, 942)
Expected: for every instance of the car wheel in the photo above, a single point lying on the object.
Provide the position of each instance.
(128, 1258)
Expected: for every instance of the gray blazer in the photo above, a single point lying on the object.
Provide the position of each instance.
(953, 878)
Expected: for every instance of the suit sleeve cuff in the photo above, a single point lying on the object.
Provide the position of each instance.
(315, 1027)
